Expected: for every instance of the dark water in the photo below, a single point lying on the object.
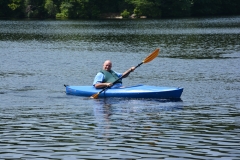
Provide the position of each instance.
(39, 121)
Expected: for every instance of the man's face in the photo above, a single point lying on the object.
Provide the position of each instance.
(107, 65)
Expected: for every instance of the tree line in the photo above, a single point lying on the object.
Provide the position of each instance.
(94, 9)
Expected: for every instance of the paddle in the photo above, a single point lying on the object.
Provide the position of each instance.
(149, 58)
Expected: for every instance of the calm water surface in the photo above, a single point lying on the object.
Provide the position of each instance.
(39, 121)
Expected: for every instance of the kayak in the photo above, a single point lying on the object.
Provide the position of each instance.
(138, 91)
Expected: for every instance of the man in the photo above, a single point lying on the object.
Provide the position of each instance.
(106, 76)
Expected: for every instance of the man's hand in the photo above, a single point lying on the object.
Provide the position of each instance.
(132, 69)
(108, 84)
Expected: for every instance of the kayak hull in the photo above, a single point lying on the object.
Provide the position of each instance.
(139, 91)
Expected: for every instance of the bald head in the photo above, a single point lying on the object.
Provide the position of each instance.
(107, 65)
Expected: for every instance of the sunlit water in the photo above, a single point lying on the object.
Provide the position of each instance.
(38, 120)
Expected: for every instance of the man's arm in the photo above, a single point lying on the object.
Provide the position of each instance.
(102, 85)
(127, 72)
(97, 83)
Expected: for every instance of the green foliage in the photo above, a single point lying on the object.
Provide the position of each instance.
(141, 7)
(65, 10)
(16, 7)
(137, 11)
(95, 8)
(35, 9)
(51, 8)
(125, 14)
(14, 4)
(149, 8)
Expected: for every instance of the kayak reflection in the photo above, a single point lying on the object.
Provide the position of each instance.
(118, 113)
(124, 105)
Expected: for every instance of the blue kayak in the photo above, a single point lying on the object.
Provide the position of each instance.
(139, 91)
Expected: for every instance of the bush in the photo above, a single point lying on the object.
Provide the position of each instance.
(125, 14)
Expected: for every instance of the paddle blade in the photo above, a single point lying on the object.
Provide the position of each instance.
(95, 96)
(153, 55)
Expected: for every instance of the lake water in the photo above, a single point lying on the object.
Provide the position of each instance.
(39, 121)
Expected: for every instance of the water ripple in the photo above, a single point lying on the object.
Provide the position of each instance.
(39, 121)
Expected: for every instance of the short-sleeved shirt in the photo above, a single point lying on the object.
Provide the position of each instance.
(99, 78)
